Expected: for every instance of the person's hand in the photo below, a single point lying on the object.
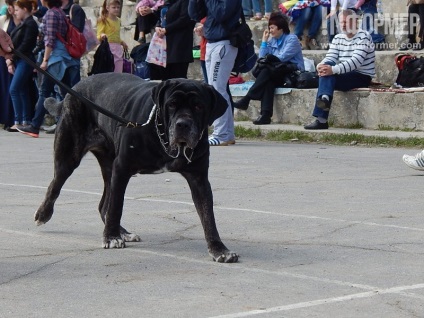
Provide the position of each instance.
(265, 35)
(324, 70)
(43, 65)
(160, 31)
(103, 36)
(6, 45)
(145, 11)
(199, 30)
(332, 12)
(124, 45)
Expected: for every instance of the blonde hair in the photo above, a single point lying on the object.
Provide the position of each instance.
(104, 13)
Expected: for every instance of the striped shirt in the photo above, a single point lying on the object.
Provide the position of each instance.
(352, 54)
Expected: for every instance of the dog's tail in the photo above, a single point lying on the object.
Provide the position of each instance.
(53, 106)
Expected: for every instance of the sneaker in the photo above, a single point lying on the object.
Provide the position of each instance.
(216, 142)
(50, 128)
(256, 18)
(415, 162)
(29, 130)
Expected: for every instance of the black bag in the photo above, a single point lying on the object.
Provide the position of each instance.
(283, 74)
(103, 59)
(411, 71)
(246, 58)
(307, 80)
(241, 35)
(139, 54)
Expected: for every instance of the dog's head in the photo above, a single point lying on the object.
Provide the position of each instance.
(187, 108)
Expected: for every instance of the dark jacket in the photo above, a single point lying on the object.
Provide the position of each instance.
(24, 37)
(179, 33)
(78, 15)
(221, 17)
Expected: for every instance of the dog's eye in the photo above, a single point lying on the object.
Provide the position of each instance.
(198, 107)
(172, 105)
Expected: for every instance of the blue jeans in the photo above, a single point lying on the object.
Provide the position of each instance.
(257, 6)
(338, 82)
(370, 10)
(19, 91)
(247, 7)
(312, 15)
(70, 78)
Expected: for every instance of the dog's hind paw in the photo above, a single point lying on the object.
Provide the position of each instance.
(113, 242)
(131, 237)
(226, 257)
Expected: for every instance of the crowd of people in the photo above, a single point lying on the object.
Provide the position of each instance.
(33, 29)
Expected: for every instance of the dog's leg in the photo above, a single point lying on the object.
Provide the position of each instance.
(106, 162)
(202, 197)
(112, 208)
(65, 162)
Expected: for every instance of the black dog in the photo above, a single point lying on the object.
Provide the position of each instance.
(174, 114)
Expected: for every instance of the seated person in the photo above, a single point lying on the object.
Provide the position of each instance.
(147, 17)
(278, 41)
(348, 64)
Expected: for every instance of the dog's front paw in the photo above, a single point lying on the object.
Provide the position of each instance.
(225, 257)
(113, 242)
(131, 237)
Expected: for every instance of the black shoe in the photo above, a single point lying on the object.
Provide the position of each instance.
(316, 125)
(141, 40)
(262, 120)
(418, 46)
(324, 104)
(407, 46)
(29, 130)
(243, 103)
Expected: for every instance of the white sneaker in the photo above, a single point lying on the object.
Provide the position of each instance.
(415, 162)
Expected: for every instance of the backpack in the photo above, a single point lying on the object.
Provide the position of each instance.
(246, 58)
(75, 42)
(411, 70)
(139, 54)
(103, 59)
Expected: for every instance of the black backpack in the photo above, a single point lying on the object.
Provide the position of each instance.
(103, 59)
(139, 54)
(411, 70)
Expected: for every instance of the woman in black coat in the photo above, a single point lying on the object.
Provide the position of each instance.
(178, 29)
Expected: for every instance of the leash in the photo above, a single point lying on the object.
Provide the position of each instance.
(86, 101)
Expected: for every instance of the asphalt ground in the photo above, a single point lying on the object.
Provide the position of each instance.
(322, 231)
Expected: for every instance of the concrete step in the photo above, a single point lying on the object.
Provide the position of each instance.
(368, 109)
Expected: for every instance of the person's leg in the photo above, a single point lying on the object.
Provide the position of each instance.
(70, 78)
(413, 10)
(19, 91)
(220, 57)
(315, 19)
(301, 21)
(247, 8)
(421, 32)
(332, 26)
(267, 104)
(205, 73)
(117, 52)
(368, 21)
(268, 8)
(257, 9)
(176, 70)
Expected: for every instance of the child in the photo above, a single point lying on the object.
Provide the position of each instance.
(24, 38)
(109, 26)
(147, 10)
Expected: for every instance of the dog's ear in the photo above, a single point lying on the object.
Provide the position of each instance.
(159, 91)
(218, 104)
(53, 106)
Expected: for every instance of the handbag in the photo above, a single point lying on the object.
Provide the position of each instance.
(241, 35)
(127, 66)
(156, 54)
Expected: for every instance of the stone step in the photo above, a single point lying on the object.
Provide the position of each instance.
(368, 109)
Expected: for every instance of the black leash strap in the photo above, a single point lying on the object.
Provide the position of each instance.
(70, 91)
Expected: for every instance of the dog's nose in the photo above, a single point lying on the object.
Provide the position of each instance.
(183, 125)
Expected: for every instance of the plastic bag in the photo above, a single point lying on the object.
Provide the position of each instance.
(90, 36)
(157, 51)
